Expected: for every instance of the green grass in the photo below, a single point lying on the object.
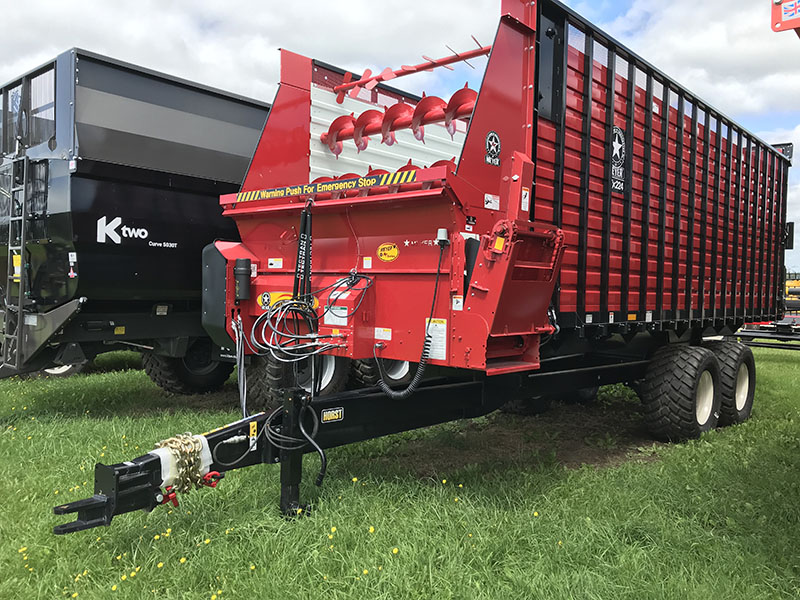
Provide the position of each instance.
(576, 503)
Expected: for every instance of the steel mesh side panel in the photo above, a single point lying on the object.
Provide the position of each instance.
(689, 232)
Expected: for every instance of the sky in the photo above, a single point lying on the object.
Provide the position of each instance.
(723, 50)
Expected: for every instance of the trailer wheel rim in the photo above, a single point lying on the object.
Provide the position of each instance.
(704, 399)
(60, 370)
(395, 369)
(327, 366)
(198, 360)
(742, 386)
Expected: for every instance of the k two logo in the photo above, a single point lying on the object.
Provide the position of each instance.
(108, 230)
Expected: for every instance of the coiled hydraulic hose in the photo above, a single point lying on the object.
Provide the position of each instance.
(426, 348)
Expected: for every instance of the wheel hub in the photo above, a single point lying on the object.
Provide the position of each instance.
(395, 369)
(704, 400)
(742, 386)
(198, 359)
(325, 369)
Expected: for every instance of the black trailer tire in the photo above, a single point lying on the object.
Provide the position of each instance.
(395, 372)
(267, 377)
(737, 381)
(681, 393)
(195, 373)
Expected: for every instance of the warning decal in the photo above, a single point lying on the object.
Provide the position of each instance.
(437, 329)
(388, 252)
(325, 187)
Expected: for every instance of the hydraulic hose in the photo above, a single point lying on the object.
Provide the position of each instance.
(426, 348)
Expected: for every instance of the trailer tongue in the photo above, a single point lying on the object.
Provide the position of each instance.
(599, 221)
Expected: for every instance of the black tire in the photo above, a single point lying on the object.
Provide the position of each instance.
(267, 377)
(678, 404)
(737, 381)
(395, 372)
(195, 373)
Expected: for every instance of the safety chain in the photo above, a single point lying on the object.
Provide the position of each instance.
(186, 450)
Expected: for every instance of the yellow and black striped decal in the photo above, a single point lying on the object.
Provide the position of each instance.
(327, 187)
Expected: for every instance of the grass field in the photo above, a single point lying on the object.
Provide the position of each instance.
(576, 503)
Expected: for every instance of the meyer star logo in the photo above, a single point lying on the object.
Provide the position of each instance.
(618, 147)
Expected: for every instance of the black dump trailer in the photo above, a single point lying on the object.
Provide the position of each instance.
(109, 190)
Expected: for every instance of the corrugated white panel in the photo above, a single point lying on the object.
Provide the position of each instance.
(324, 109)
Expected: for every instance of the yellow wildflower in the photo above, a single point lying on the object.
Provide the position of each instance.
(23, 549)
(371, 529)
(395, 550)
(461, 485)
(535, 514)
(124, 577)
(444, 481)
(355, 479)
(75, 595)
(159, 565)
(114, 588)
(455, 499)
(138, 569)
(252, 567)
(183, 559)
(333, 529)
(330, 536)
(156, 537)
(133, 574)
(365, 572)
(213, 597)
(206, 541)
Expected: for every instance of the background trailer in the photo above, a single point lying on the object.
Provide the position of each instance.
(108, 192)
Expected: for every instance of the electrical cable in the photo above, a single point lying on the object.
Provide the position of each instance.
(323, 467)
(241, 371)
(426, 348)
(232, 464)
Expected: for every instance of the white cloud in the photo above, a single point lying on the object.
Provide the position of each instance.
(726, 52)
(234, 45)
